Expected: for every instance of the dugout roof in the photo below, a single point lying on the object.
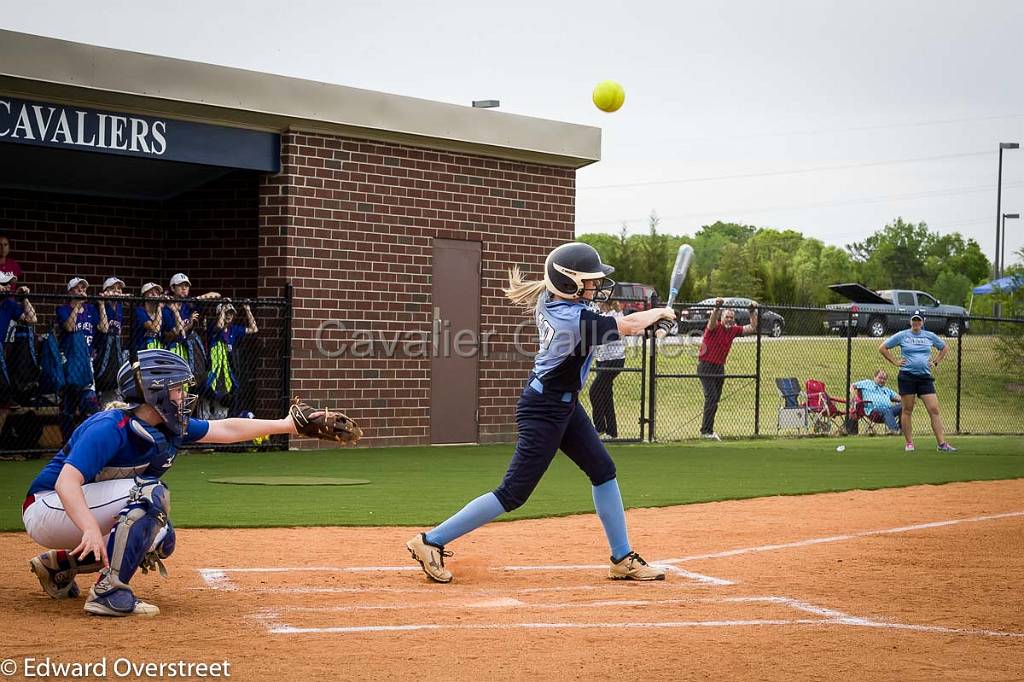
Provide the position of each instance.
(40, 69)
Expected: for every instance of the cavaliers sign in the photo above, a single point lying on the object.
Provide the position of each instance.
(89, 130)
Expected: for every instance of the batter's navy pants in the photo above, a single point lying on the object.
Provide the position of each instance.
(548, 422)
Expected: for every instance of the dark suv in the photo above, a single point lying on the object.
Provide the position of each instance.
(696, 318)
(633, 297)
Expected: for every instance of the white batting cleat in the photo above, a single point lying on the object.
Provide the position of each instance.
(430, 557)
(118, 603)
(633, 567)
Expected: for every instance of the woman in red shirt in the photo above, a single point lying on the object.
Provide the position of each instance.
(8, 264)
(719, 334)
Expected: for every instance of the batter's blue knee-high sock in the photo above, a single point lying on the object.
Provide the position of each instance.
(475, 514)
(608, 503)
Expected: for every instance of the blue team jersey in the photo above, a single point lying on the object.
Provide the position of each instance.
(115, 318)
(569, 331)
(169, 323)
(113, 444)
(916, 348)
(143, 338)
(85, 322)
(10, 310)
(230, 335)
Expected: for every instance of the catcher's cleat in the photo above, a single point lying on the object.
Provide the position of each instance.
(56, 573)
(118, 603)
(430, 557)
(633, 567)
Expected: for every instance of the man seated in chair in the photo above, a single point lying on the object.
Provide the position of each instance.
(879, 399)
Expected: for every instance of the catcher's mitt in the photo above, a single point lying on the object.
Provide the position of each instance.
(324, 424)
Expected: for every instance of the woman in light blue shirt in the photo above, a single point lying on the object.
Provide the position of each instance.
(915, 377)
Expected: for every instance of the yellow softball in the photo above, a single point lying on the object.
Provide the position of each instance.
(609, 96)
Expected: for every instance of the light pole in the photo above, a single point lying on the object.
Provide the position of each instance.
(999, 206)
(1002, 247)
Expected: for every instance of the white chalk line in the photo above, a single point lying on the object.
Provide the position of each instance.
(833, 616)
(697, 577)
(439, 589)
(291, 630)
(218, 579)
(500, 603)
(271, 618)
(839, 538)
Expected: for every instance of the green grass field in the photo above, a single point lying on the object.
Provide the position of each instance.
(990, 401)
(421, 486)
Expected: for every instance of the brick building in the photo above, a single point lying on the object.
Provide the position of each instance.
(394, 219)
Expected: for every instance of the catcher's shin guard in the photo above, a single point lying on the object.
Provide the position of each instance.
(139, 538)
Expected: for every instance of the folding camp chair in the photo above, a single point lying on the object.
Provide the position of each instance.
(823, 411)
(793, 408)
(860, 413)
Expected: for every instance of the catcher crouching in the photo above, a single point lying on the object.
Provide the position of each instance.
(100, 505)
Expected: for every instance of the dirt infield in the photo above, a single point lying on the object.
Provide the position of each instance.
(915, 583)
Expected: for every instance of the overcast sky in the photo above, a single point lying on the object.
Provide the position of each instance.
(827, 117)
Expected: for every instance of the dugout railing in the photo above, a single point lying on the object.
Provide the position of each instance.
(48, 387)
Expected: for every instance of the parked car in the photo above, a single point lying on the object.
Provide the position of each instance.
(879, 313)
(695, 318)
(633, 297)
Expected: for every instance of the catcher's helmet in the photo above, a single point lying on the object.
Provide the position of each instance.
(161, 371)
(570, 265)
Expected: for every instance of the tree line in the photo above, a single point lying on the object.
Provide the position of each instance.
(787, 268)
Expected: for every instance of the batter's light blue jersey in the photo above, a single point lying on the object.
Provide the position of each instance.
(569, 331)
(916, 348)
(113, 444)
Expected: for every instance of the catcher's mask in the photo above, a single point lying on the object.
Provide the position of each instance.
(569, 266)
(164, 379)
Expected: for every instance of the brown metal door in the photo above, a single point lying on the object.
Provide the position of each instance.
(454, 369)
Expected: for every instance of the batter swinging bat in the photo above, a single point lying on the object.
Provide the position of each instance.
(679, 270)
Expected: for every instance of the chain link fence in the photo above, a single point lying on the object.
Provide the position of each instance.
(792, 377)
(796, 376)
(58, 368)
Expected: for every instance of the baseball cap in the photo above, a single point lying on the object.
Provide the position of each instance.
(225, 307)
(150, 285)
(918, 315)
(6, 277)
(111, 281)
(180, 278)
(75, 281)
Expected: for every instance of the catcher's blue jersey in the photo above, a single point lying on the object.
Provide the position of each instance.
(568, 331)
(113, 444)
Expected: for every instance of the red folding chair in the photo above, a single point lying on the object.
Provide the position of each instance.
(823, 410)
(860, 413)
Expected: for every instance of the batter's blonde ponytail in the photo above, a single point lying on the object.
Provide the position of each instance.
(521, 291)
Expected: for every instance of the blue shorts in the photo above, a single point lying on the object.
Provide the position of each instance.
(915, 384)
